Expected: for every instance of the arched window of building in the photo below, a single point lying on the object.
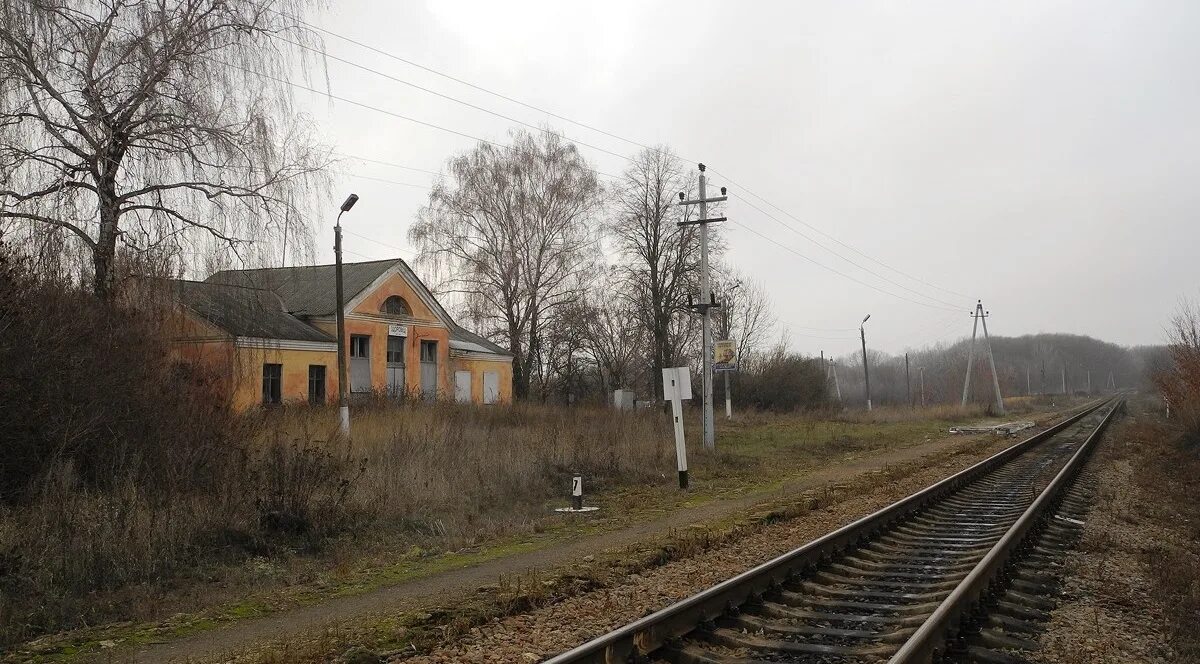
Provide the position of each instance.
(395, 305)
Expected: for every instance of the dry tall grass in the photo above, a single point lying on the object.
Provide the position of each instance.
(1014, 407)
(435, 465)
(76, 555)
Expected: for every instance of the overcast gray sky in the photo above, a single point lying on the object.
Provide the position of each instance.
(1040, 155)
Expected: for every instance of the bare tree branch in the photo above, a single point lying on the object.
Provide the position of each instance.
(114, 113)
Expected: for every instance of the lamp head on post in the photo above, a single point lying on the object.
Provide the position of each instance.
(349, 203)
(864, 320)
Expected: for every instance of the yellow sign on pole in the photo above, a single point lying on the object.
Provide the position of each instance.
(724, 356)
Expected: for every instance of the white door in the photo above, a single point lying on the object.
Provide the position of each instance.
(462, 386)
(491, 387)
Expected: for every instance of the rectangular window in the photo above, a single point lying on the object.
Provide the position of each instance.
(429, 351)
(272, 385)
(395, 350)
(429, 370)
(360, 346)
(316, 384)
(360, 363)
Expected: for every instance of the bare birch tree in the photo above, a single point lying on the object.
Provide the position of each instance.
(660, 261)
(746, 314)
(512, 232)
(613, 335)
(143, 122)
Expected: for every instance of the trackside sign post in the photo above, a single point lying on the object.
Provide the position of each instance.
(677, 386)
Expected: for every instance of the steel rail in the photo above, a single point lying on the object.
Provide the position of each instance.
(955, 612)
(651, 632)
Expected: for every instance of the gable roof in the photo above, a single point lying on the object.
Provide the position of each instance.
(310, 291)
(464, 339)
(244, 312)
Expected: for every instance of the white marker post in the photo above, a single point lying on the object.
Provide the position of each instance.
(576, 498)
(677, 386)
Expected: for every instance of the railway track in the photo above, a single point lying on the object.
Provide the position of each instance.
(956, 572)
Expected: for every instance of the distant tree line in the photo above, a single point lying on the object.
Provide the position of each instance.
(1031, 364)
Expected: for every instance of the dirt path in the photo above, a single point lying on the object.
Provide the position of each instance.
(242, 635)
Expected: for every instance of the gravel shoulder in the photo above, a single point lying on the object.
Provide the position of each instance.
(1131, 584)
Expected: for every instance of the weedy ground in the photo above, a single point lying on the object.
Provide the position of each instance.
(418, 490)
(1132, 592)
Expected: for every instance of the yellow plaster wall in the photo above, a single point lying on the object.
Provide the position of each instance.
(248, 368)
(477, 368)
(395, 285)
(200, 342)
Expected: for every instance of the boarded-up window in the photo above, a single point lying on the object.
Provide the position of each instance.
(491, 387)
(360, 363)
(462, 386)
(272, 384)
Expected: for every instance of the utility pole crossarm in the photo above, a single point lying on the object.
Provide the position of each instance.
(698, 201)
(698, 222)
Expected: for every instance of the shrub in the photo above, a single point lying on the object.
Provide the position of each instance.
(87, 384)
(1180, 381)
(782, 381)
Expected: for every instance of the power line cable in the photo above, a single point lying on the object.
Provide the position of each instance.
(827, 235)
(506, 147)
(864, 268)
(598, 130)
(451, 98)
(385, 111)
(301, 22)
(835, 270)
(402, 184)
(460, 81)
(388, 163)
(380, 242)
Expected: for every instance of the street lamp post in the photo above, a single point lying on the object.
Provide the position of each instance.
(343, 406)
(866, 374)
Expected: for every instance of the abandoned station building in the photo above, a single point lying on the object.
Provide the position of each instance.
(271, 333)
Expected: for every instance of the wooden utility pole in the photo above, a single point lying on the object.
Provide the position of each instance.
(706, 303)
(921, 377)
